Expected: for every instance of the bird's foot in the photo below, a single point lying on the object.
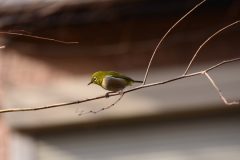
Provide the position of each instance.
(107, 95)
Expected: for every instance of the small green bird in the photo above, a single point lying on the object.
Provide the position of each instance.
(111, 81)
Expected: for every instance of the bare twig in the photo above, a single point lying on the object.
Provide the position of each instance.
(49, 106)
(37, 37)
(125, 92)
(208, 39)
(2, 47)
(219, 91)
(223, 62)
(103, 108)
(164, 36)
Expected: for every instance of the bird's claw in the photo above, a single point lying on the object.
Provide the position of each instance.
(107, 95)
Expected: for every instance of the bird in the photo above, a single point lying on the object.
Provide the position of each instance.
(111, 80)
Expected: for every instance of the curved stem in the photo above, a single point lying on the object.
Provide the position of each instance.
(208, 39)
(164, 36)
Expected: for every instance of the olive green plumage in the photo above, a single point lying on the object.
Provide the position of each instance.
(111, 80)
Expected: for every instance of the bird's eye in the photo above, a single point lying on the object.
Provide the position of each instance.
(94, 78)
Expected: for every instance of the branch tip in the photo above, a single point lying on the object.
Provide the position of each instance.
(205, 42)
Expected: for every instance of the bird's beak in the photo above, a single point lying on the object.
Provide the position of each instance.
(90, 83)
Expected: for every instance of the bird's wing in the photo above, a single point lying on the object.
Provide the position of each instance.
(117, 75)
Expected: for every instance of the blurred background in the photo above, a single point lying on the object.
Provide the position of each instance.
(182, 120)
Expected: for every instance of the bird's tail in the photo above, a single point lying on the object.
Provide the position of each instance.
(137, 81)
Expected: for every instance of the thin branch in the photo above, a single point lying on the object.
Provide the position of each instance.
(2, 47)
(49, 106)
(164, 36)
(219, 91)
(208, 39)
(223, 62)
(37, 37)
(103, 108)
(125, 92)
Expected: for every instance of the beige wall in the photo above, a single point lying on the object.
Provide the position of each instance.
(4, 140)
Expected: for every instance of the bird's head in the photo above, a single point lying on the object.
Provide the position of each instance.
(97, 78)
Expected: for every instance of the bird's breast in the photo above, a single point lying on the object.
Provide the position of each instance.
(114, 84)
